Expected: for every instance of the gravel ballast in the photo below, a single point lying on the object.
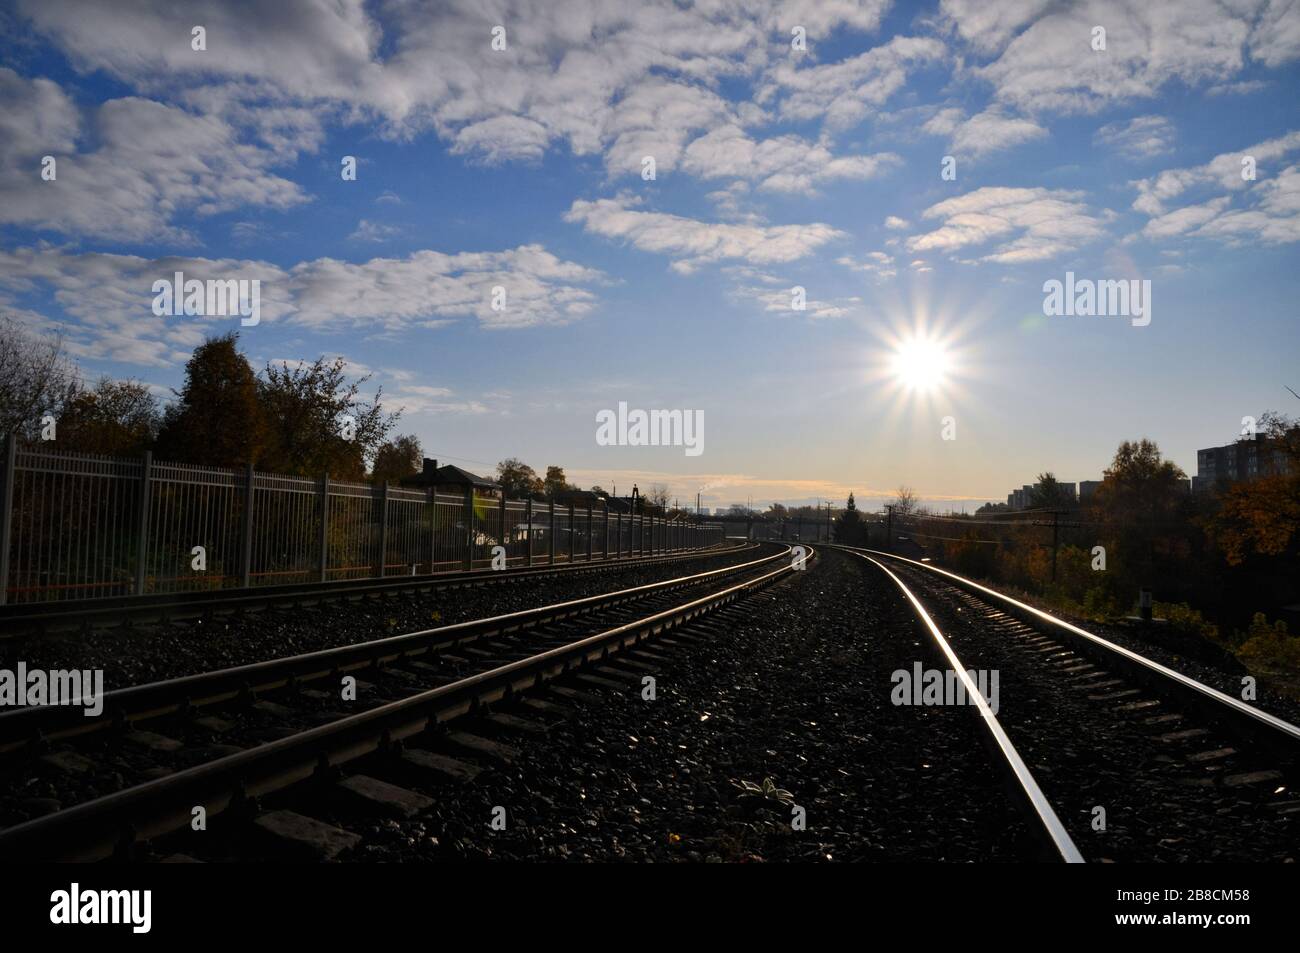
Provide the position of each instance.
(798, 691)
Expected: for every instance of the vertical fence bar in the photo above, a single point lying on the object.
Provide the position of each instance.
(324, 526)
(383, 529)
(528, 518)
(501, 528)
(142, 547)
(468, 563)
(246, 539)
(604, 552)
(432, 505)
(573, 557)
(10, 477)
(588, 532)
(551, 544)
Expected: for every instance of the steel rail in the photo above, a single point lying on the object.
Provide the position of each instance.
(27, 618)
(98, 829)
(20, 727)
(1276, 734)
(1024, 788)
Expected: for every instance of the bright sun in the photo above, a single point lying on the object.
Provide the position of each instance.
(920, 365)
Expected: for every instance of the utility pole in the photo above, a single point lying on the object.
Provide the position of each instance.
(889, 529)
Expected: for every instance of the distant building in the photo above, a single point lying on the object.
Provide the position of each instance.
(1024, 497)
(1087, 488)
(1247, 459)
(451, 479)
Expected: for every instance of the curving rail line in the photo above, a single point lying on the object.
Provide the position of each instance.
(1279, 738)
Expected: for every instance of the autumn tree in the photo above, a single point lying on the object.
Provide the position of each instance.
(555, 482)
(1049, 493)
(317, 422)
(114, 418)
(1138, 506)
(397, 459)
(36, 378)
(217, 418)
(518, 480)
(1262, 516)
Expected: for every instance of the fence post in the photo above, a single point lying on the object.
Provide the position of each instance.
(604, 553)
(324, 526)
(588, 532)
(572, 555)
(501, 528)
(528, 518)
(618, 532)
(551, 545)
(383, 528)
(246, 553)
(142, 550)
(469, 528)
(10, 477)
(433, 528)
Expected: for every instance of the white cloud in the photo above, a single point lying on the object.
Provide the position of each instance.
(150, 162)
(1029, 224)
(894, 223)
(1044, 60)
(876, 263)
(625, 79)
(110, 295)
(781, 164)
(988, 26)
(780, 301)
(847, 91)
(991, 131)
(1223, 171)
(693, 242)
(368, 231)
(983, 133)
(1138, 138)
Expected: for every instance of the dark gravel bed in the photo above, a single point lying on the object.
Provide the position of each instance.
(154, 652)
(797, 690)
(1086, 752)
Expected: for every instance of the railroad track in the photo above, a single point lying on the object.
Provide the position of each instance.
(1111, 755)
(222, 740)
(24, 619)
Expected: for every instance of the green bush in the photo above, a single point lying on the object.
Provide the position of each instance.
(1269, 646)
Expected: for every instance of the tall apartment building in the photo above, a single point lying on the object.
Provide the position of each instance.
(1247, 459)
(1023, 498)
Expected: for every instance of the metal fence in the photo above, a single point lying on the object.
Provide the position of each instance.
(76, 526)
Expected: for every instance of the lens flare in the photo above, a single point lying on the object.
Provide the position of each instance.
(920, 364)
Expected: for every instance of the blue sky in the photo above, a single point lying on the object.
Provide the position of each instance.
(774, 168)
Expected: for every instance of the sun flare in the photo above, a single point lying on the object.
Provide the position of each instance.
(920, 364)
